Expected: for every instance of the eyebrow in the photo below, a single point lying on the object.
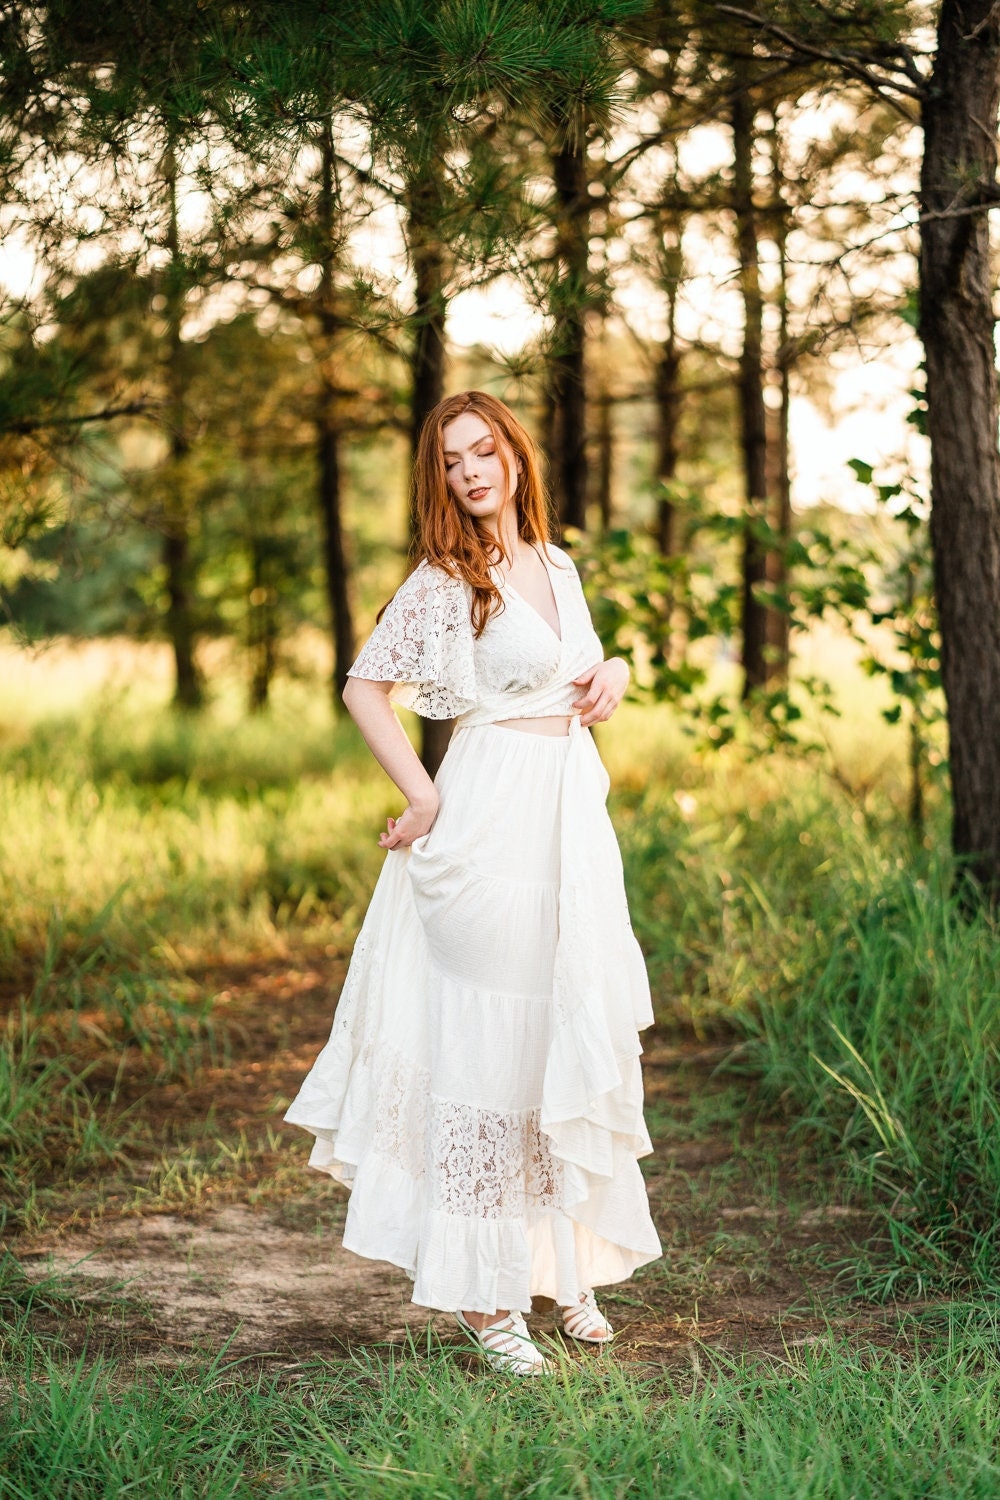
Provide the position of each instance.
(487, 437)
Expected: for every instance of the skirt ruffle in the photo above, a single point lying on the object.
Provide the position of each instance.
(481, 1092)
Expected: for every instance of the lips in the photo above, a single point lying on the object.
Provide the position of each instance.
(478, 494)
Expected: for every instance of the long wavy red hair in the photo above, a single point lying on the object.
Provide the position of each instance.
(445, 533)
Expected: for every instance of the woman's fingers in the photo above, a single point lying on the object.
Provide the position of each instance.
(401, 832)
(606, 682)
(602, 710)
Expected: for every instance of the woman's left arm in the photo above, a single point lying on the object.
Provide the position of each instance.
(606, 685)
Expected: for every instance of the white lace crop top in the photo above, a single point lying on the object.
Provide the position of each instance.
(519, 668)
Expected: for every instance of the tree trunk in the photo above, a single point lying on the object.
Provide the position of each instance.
(328, 493)
(956, 325)
(427, 257)
(753, 421)
(188, 688)
(666, 394)
(605, 454)
(779, 663)
(335, 562)
(917, 756)
(177, 559)
(667, 397)
(262, 627)
(431, 307)
(567, 370)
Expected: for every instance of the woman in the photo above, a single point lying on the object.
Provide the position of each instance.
(480, 1093)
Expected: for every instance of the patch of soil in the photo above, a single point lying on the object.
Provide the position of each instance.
(235, 1274)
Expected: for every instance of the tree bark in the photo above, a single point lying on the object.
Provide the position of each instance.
(431, 306)
(335, 561)
(753, 420)
(178, 564)
(262, 627)
(177, 557)
(427, 258)
(956, 325)
(667, 397)
(605, 461)
(666, 394)
(567, 370)
(328, 491)
(778, 665)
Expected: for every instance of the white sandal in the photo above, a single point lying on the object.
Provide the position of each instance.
(506, 1345)
(585, 1321)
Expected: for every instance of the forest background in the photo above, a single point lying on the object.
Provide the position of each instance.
(246, 249)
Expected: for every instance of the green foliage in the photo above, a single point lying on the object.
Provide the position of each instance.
(887, 1038)
(196, 833)
(643, 603)
(668, 616)
(824, 1423)
(790, 903)
(905, 604)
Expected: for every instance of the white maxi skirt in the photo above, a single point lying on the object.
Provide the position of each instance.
(481, 1092)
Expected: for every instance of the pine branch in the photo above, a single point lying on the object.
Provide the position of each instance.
(887, 85)
(27, 426)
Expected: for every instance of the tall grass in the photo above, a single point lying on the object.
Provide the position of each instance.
(888, 1048)
(178, 837)
(50, 1122)
(773, 899)
(824, 1423)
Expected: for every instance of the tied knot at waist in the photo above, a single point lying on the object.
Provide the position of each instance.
(549, 702)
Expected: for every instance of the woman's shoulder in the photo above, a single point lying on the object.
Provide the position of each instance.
(429, 577)
(560, 559)
(431, 586)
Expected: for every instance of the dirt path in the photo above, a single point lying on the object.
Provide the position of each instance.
(254, 1257)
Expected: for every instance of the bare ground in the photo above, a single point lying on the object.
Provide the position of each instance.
(242, 1249)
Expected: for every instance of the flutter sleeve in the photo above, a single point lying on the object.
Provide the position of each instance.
(423, 643)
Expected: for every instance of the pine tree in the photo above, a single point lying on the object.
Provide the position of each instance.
(955, 92)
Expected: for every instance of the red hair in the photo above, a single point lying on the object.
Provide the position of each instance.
(445, 534)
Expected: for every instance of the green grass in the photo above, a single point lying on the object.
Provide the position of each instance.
(825, 1421)
(51, 1123)
(887, 1047)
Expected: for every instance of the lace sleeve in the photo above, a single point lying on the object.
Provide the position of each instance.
(423, 643)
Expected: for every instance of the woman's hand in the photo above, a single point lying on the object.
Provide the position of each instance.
(413, 824)
(606, 684)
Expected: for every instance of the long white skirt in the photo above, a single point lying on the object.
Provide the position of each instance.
(481, 1093)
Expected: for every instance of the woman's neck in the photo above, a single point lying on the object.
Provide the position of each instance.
(504, 531)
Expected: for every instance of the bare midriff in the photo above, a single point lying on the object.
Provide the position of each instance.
(557, 724)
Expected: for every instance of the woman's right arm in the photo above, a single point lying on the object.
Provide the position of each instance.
(368, 704)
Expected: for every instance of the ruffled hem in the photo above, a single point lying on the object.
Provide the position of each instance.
(478, 1265)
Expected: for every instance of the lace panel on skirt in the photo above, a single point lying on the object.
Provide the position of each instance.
(476, 1163)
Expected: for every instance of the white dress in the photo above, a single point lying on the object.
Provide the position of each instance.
(481, 1092)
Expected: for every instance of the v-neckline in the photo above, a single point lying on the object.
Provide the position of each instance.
(509, 587)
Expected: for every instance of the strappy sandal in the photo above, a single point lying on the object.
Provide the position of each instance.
(585, 1321)
(506, 1345)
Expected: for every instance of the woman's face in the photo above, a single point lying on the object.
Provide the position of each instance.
(475, 468)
